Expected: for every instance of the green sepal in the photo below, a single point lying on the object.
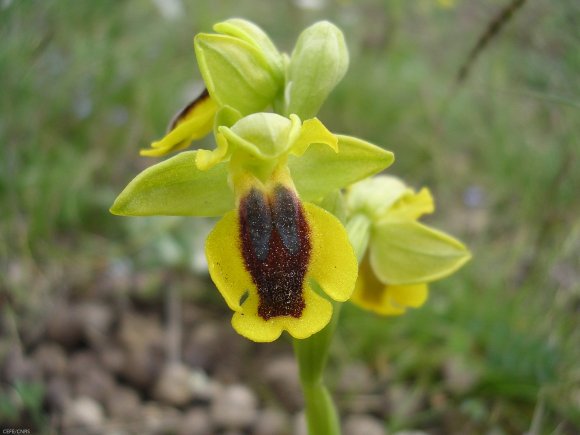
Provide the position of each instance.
(375, 196)
(320, 170)
(236, 72)
(319, 61)
(249, 32)
(176, 187)
(407, 252)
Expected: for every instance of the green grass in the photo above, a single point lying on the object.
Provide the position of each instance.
(86, 84)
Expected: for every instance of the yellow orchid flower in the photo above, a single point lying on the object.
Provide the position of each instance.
(403, 255)
(273, 256)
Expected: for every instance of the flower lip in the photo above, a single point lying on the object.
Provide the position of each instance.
(276, 247)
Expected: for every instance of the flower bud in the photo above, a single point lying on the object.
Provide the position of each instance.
(319, 61)
(240, 66)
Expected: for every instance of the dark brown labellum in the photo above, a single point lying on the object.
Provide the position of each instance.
(276, 249)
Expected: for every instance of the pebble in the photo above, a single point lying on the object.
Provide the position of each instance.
(123, 404)
(112, 357)
(174, 386)
(356, 378)
(403, 402)
(281, 374)
(84, 415)
(142, 368)
(95, 383)
(51, 359)
(158, 419)
(204, 346)
(64, 325)
(459, 376)
(299, 426)
(18, 367)
(363, 425)
(234, 407)
(58, 394)
(96, 319)
(140, 333)
(271, 422)
(196, 422)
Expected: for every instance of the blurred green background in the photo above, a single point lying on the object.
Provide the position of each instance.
(85, 84)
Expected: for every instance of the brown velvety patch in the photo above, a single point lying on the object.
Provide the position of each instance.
(276, 250)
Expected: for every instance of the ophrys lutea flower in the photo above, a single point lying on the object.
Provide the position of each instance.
(274, 257)
(403, 255)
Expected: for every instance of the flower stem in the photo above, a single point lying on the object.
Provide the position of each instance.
(312, 352)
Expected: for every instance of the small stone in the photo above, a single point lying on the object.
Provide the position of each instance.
(203, 388)
(196, 422)
(112, 357)
(64, 325)
(51, 359)
(58, 394)
(271, 422)
(142, 368)
(95, 383)
(282, 376)
(410, 432)
(159, 419)
(123, 404)
(174, 386)
(459, 376)
(403, 402)
(234, 407)
(83, 415)
(204, 346)
(140, 333)
(82, 362)
(299, 426)
(363, 425)
(356, 379)
(96, 319)
(17, 367)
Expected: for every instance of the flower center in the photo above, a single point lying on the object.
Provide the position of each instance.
(276, 249)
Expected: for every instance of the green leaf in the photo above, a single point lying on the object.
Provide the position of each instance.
(407, 252)
(236, 73)
(175, 187)
(320, 170)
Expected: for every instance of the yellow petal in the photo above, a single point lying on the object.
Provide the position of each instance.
(315, 316)
(192, 123)
(386, 300)
(370, 293)
(225, 262)
(313, 131)
(413, 205)
(333, 263)
(413, 295)
(207, 159)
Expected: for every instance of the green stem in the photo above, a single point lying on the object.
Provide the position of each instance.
(312, 352)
